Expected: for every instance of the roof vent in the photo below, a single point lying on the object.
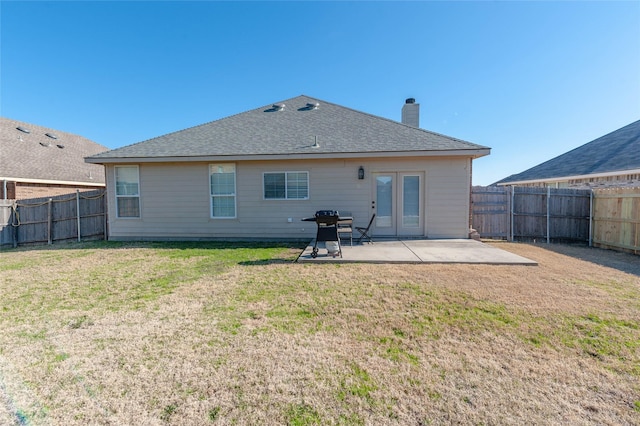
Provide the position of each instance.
(60, 146)
(22, 129)
(410, 101)
(51, 135)
(315, 142)
(45, 144)
(309, 106)
(275, 108)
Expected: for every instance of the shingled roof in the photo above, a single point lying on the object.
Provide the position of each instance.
(32, 153)
(618, 151)
(301, 127)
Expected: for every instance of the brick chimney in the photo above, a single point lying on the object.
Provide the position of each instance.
(411, 113)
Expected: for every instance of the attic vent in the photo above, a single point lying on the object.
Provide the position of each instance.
(22, 129)
(45, 144)
(60, 146)
(275, 108)
(51, 135)
(310, 106)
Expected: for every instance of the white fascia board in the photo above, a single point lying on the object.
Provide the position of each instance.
(50, 182)
(574, 177)
(474, 153)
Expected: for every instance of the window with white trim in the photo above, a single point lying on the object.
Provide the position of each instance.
(127, 191)
(222, 181)
(286, 185)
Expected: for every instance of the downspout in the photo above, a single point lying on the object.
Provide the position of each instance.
(4, 189)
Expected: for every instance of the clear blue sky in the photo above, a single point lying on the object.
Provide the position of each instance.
(531, 80)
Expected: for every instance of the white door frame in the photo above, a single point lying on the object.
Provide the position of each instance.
(396, 201)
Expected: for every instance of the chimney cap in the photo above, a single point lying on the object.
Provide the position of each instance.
(410, 101)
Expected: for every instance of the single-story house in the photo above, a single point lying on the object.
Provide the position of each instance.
(257, 174)
(610, 160)
(37, 161)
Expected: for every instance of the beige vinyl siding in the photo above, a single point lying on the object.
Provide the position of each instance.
(175, 199)
(332, 185)
(448, 199)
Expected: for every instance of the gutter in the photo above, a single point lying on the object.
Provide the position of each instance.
(573, 177)
(474, 153)
(51, 182)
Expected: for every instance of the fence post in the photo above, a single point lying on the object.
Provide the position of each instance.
(591, 218)
(548, 212)
(15, 223)
(78, 212)
(104, 210)
(513, 195)
(49, 221)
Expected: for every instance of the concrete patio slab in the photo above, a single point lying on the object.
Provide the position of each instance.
(419, 251)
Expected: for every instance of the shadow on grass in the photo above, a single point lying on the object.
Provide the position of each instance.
(266, 262)
(625, 262)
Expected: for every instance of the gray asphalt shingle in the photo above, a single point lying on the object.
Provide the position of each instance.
(35, 155)
(616, 151)
(292, 130)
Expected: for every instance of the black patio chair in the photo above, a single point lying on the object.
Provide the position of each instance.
(364, 232)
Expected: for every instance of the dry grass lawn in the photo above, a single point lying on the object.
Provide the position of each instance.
(196, 334)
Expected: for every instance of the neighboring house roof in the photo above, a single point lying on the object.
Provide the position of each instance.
(38, 154)
(618, 151)
(272, 132)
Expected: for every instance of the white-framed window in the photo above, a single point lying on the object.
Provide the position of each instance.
(222, 183)
(286, 185)
(127, 191)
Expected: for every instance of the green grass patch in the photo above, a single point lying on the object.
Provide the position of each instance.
(168, 411)
(602, 337)
(125, 281)
(302, 415)
(213, 414)
(358, 384)
(394, 350)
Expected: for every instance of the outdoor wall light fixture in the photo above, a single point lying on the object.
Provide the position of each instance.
(361, 173)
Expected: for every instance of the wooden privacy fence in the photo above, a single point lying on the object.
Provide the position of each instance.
(608, 218)
(45, 220)
(616, 219)
(530, 213)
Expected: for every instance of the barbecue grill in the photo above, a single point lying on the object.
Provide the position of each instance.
(327, 221)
